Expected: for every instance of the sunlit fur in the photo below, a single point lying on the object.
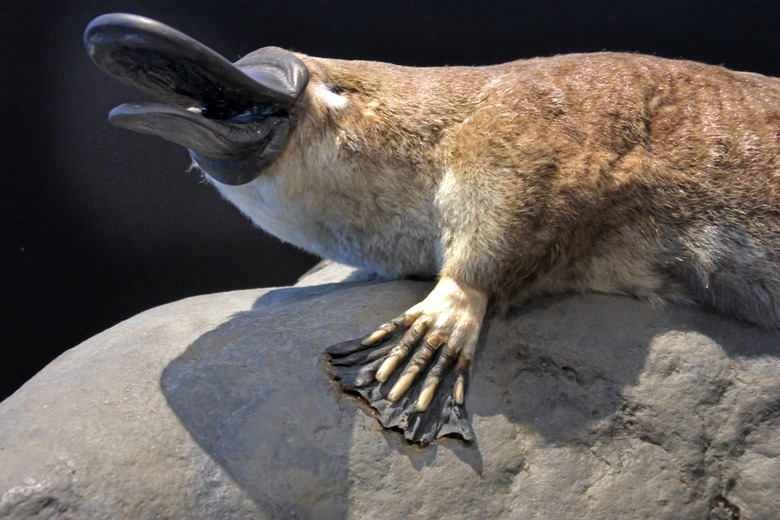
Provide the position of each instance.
(606, 172)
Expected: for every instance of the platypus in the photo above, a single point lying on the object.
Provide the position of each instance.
(606, 172)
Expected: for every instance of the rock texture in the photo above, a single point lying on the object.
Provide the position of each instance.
(220, 406)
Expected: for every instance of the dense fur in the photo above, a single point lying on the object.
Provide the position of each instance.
(605, 172)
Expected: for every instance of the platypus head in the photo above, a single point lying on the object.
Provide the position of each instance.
(234, 119)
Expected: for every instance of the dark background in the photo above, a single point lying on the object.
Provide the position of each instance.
(98, 224)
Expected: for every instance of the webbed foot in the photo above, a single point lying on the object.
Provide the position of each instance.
(442, 333)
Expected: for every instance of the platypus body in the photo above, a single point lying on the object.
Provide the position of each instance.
(607, 172)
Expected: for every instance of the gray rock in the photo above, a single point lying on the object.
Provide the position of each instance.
(220, 406)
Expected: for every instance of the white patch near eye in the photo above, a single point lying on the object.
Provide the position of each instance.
(330, 98)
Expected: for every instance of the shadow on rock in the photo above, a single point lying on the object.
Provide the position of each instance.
(568, 370)
(255, 395)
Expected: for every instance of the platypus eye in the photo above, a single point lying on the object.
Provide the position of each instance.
(331, 96)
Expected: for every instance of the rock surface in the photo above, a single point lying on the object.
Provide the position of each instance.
(220, 406)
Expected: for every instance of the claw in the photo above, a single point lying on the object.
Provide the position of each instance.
(463, 370)
(388, 365)
(413, 369)
(400, 351)
(384, 332)
(433, 378)
(376, 337)
(426, 396)
(402, 385)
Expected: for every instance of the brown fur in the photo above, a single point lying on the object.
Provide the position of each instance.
(607, 172)
(604, 172)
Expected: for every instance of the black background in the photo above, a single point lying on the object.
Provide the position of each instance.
(98, 224)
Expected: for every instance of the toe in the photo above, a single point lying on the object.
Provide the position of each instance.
(434, 377)
(462, 375)
(419, 361)
(401, 350)
(386, 331)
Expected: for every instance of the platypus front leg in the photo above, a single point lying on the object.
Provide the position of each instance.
(437, 339)
(445, 325)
